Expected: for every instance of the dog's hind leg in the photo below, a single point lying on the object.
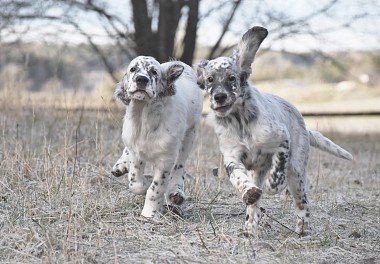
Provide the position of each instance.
(297, 187)
(175, 190)
(253, 215)
(276, 180)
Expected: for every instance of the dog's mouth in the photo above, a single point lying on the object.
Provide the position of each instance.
(222, 109)
(140, 94)
(139, 91)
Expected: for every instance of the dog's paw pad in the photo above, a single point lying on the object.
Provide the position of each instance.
(177, 198)
(303, 229)
(252, 195)
(117, 172)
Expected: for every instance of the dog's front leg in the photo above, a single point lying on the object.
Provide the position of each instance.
(253, 215)
(239, 178)
(155, 195)
(121, 166)
(138, 184)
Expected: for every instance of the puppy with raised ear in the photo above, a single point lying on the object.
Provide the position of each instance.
(259, 132)
(164, 105)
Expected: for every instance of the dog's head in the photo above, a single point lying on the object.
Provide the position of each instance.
(224, 77)
(146, 80)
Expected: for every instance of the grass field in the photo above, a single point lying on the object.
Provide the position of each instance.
(59, 202)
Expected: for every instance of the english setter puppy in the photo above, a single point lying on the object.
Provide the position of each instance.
(259, 132)
(163, 111)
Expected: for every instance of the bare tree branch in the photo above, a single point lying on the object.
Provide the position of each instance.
(98, 51)
(89, 5)
(225, 28)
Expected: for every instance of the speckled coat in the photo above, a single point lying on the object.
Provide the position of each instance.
(160, 124)
(262, 137)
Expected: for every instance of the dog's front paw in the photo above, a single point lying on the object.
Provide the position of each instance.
(119, 169)
(303, 228)
(152, 213)
(252, 195)
(177, 197)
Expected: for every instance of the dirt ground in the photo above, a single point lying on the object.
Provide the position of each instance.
(59, 203)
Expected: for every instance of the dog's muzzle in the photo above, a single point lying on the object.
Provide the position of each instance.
(141, 89)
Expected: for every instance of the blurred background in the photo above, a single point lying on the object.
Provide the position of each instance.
(322, 55)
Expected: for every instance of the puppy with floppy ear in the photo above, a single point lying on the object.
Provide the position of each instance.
(259, 132)
(162, 117)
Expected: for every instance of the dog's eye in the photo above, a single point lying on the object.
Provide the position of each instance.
(210, 79)
(232, 78)
(133, 69)
(153, 71)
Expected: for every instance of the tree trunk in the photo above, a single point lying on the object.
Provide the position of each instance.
(170, 13)
(145, 39)
(191, 32)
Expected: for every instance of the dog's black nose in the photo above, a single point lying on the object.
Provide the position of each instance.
(220, 97)
(142, 80)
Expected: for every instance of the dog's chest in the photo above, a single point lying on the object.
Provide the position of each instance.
(143, 134)
(254, 159)
(248, 147)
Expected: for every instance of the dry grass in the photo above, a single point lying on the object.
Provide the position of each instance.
(59, 202)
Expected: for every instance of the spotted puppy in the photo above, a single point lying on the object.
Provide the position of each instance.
(164, 105)
(259, 132)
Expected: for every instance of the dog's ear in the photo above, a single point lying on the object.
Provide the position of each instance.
(120, 93)
(200, 73)
(173, 72)
(247, 48)
(169, 76)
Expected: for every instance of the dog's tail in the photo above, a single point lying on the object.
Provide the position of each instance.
(317, 140)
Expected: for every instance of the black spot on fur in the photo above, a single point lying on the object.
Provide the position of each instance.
(285, 144)
(279, 174)
(230, 168)
(168, 91)
(223, 121)
(247, 217)
(249, 166)
(243, 157)
(238, 119)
